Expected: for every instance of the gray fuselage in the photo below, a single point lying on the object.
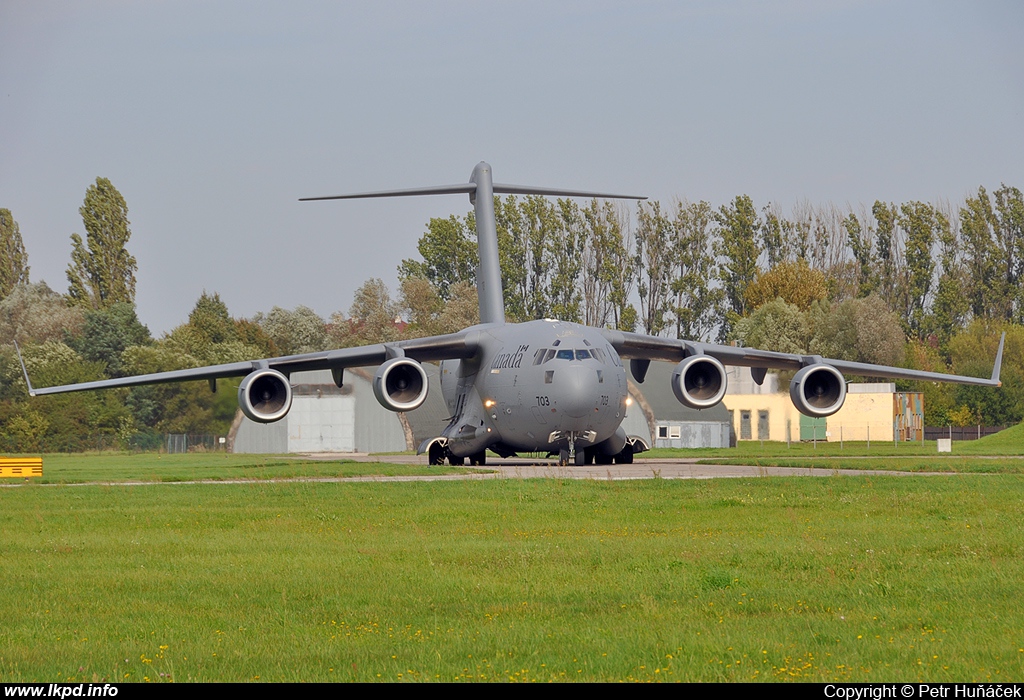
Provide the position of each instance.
(537, 386)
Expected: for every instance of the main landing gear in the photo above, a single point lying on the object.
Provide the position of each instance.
(438, 453)
(583, 457)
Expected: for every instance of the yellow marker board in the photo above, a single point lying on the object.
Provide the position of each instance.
(21, 466)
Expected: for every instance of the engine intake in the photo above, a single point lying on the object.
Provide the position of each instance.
(265, 396)
(818, 390)
(400, 384)
(699, 381)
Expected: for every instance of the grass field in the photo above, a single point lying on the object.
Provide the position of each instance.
(1004, 452)
(847, 578)
(1009, 442)
(150, 466)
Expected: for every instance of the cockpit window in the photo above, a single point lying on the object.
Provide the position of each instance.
(598, 354)
(582, 354)
(564, 355)
(616, 360)
(538, 357)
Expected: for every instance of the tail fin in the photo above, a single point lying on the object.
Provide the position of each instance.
(481, 189)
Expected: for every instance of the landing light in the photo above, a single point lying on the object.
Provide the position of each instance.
(629, 400)
(488, 403)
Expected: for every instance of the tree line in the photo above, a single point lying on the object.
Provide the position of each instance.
(917, 284)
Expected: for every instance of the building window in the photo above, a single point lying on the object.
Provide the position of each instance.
(662, 432)
(673, 432)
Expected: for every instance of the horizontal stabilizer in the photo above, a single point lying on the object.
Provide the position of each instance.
(555, 192)
(470, 188)
(464, 188)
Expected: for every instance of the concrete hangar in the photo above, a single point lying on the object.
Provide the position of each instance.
(325, 418)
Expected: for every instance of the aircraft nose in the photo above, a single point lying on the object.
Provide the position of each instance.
(577, 391)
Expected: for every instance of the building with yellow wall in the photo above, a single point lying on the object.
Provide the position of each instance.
(870, 412)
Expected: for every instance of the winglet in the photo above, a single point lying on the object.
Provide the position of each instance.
(32, 392)
(999, 361)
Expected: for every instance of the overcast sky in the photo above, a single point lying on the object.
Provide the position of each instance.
(213, 118)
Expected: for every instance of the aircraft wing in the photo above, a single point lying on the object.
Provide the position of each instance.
(440, 347)
(641, 349)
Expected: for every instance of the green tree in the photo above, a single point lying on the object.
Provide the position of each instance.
(738, 250)
(972, 352)
(1009, 216)
(461, 311)
(951, 305)
(654, 263)
(211, 319)
(102, 272)
(66, 422)
(448, 249)
(565, 250)
(527, 228)
(427, 315)
(921, 223)
(887, 250)
(607, 251)
(793, 282)
(109, 332)
(371, 317)
(421, 305)
(939, 398)
(858, 237)
(857, 330)
(253, 335)
(13, 258)
(697, 304)
(774, 326)
(773, 235)
(34, 313)
(209, 337)
(186, 407)
(294, 332)
(981, 257)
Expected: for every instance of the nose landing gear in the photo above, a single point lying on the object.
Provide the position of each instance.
(578, 457)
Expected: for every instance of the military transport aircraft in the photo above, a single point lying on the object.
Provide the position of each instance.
(544, 385)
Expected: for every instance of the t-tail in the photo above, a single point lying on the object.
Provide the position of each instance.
(481, 190)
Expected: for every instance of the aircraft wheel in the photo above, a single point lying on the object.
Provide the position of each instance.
(563, 457)
(478, 460)
(624, 457)
(456, 461)
(435, 455)
(580, 458)
(601, 458)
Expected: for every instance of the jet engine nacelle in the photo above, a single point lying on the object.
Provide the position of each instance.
(265, 396)
(818, 390)
(699, 381)
(400, 384)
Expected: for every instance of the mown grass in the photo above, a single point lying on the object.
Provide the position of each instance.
(850, 579)
(1009, 442)
(960, 465)
(1001, 453)
(150, 466)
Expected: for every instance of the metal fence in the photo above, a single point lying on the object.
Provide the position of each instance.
(186, 442)
(973, 432)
